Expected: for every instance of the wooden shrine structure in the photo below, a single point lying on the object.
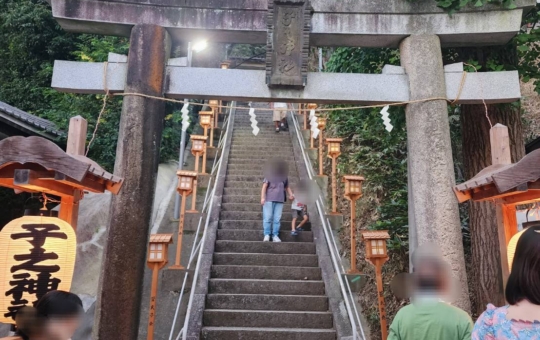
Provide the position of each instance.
(35, 164)
(506, 184)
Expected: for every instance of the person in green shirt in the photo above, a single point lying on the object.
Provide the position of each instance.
(428, 317)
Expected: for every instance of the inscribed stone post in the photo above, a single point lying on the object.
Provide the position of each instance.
(434, 208)
(137, 156)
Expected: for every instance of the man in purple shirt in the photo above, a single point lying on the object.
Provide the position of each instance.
(273, 196)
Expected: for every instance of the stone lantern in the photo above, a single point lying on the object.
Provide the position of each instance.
(334, 150)
(187, 184)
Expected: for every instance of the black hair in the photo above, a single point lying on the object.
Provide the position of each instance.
(524, 280)
(60, 304)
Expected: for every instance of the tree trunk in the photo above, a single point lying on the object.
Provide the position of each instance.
(488, 284)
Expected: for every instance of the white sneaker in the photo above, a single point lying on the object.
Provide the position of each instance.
(266, 238)
(276, 239)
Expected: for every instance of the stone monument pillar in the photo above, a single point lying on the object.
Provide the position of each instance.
(137, 156)
(434, 213)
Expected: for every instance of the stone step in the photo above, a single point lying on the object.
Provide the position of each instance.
(254, 183)
(247, 206)
(253, 191)
(257, 225)
(266, 157)
(265, 273)
(265, 287)
(256, 163)
(254, 259)
(267, 302)
(257, 235)
(254, 151)
(255, 199)
(267, 319)
(251, 215)
(269, 143)
(240, 333)
(259, 171)
(223, 246)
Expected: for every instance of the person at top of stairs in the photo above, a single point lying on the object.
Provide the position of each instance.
(273, 196)
(279, 116)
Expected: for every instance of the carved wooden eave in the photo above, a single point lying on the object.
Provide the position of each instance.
(517, 183)
(35, 164)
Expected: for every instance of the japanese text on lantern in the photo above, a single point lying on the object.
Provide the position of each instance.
(37, 255)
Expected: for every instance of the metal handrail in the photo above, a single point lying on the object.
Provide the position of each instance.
(196, 249)
(354, 319)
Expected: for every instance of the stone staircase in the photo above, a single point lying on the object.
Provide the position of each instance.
(262, 290)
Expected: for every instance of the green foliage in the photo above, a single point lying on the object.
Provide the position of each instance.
(30, 41)
(451, 6)
(370, 150)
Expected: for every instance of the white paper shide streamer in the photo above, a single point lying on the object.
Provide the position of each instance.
(314, 124)
(253, 121)
(386, 118)
(185, 117)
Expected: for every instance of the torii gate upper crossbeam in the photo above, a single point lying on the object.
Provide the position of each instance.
(333, 23)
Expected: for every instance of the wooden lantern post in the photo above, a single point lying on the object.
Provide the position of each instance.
(334, 150)
(506, 185)
(224, 66)
(321, 125)
(76, 142)
(157, 259)
(215, 106)
(353, 191)
(187, 183)
(205, 118)
(198, 148)
(306, 115)
(377, 254)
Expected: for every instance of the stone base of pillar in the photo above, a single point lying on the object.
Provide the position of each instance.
(313, 155)
(322, 182)
(191, 221)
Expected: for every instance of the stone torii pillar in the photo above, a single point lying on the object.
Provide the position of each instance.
(433, 209)
(137, 157)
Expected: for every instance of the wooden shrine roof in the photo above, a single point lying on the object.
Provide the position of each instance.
(505, 181)
(28, 123)
(161, 238)
(48, 164)
(375, 234)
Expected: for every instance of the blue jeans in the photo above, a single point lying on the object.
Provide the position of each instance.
(271, 217)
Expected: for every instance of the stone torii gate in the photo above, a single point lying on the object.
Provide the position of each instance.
(288, 27)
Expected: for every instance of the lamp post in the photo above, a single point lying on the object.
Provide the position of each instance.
(215, 106)
(321, 126)
(334, 150)
(377, 254)
(353, 191)
(187, 184)
(224, 66)
(205, 119)
(191, 48)
(198, 148)
(157, 259)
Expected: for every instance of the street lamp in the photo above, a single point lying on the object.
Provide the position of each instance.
(198, 148)
(157, 259)
(377, 254)
(353, 191)
(334, 150)
(200, 46)
(215, 105)
(187, 183)
(321, 125)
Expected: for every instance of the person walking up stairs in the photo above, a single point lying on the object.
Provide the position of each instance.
(262, 290)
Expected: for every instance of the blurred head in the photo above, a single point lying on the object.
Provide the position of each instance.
(277, 167)
(56, 316)
(524, 280)
(431, 274)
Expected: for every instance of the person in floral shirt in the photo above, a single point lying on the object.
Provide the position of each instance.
(520, 320)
